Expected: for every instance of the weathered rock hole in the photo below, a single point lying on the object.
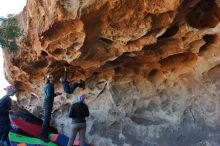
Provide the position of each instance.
(209, 38)
(170, 32)
(204, 15)
(117, 69)
(55, 26)
(56, 63)
(203, 49)
(40, 64)
(43, 53)
(15, 61)
(153, 73)
(58, 51)
(105, 40)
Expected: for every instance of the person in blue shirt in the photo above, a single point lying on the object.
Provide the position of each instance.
(68, 87)
(49, 95)
(5, 106)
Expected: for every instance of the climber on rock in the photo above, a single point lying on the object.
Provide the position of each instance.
(78, 112)
(49, 95)
(5, 106)
(68, 87)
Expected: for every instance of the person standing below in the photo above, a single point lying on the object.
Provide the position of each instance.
(5, 106)
(68, 87)
(78, 112)
(48, 106)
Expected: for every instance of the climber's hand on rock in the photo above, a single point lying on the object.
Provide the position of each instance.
(82, 84)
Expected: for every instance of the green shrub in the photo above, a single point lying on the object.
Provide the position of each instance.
(9, 31)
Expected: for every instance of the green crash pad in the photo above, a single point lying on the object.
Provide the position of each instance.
(15, 139)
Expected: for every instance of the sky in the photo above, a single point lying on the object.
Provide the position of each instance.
(8, 7)
(11, 7)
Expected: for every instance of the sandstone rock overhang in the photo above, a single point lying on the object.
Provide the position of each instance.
(147, 63)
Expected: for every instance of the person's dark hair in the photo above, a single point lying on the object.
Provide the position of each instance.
(82, 84)
(47, 80)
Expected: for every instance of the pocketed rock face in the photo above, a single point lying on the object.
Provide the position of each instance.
(152, 67)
